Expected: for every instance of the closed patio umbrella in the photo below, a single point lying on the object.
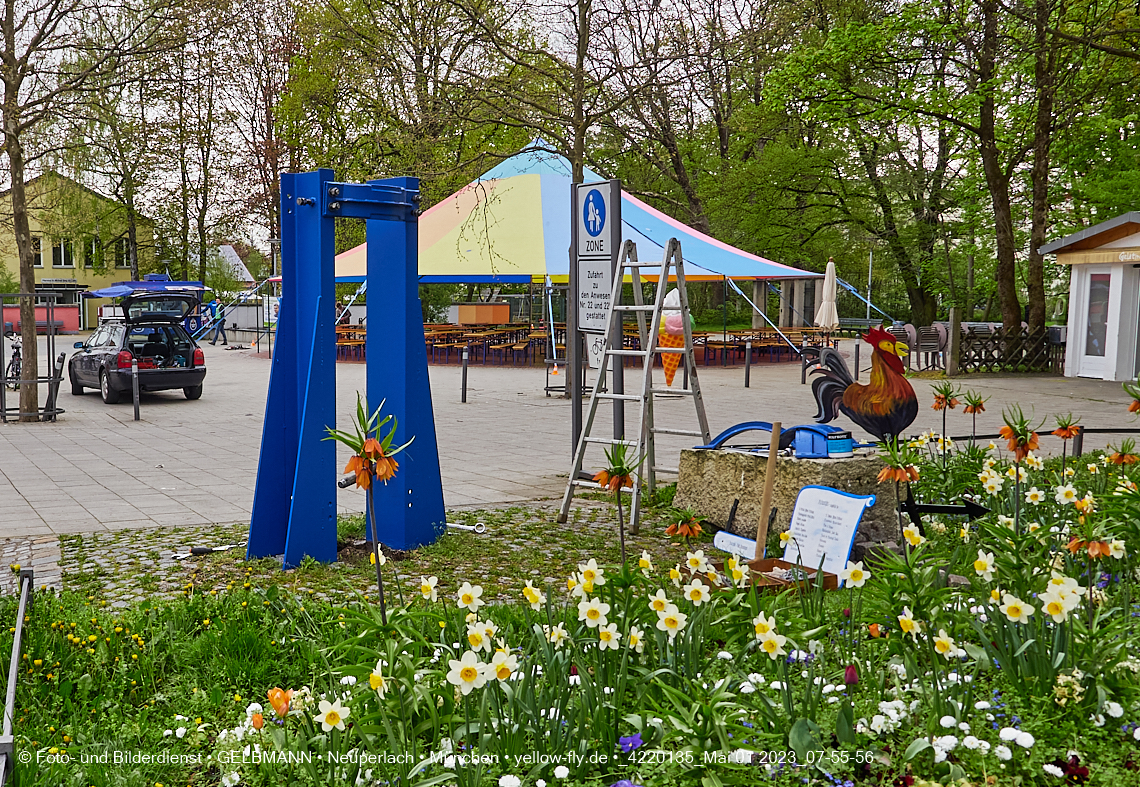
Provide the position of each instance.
(826, 316)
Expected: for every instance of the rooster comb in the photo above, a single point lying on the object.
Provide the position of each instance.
(876, 335)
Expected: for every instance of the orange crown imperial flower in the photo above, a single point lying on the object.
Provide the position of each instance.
(612, 482)
(688, 529)
(971, 409)
(908, 473)
(1020, 445)
(1067, 432)
(941, 401)
(1135, 406)
(1095, 549)
(1123, 459)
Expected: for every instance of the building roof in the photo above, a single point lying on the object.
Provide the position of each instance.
(1097, 235)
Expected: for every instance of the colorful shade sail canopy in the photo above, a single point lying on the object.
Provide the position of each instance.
(513, 226)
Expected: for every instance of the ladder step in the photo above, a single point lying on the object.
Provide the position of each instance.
(622, 397)
(642, 264)
(678, 392)
(677, 350)
(672, 470)
(620, 308)
(611, 441)
(636, 353)
(681, 432)
(596, 485)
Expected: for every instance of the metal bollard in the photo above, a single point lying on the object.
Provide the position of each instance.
(464, 397)
(1079, 442)
(135, 384)
(857, 343)
(747, 361)
(803, 363)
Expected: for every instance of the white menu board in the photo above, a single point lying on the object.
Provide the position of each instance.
(823, 527)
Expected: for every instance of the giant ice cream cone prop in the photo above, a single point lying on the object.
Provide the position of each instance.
(670, 360)
(671, 333)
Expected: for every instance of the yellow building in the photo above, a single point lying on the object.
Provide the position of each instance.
(79, 243)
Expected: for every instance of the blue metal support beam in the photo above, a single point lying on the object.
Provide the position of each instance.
(294, 506)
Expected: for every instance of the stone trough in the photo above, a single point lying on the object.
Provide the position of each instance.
(710, 480)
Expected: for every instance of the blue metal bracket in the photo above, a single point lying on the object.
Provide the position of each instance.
(294, 504)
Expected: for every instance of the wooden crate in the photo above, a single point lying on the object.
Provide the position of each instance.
(758, 574)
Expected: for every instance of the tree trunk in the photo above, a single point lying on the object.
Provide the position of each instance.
(184, 175)
(581, 124)
(996, 179)
(132, 229)
(29, 391)
(1046, 81)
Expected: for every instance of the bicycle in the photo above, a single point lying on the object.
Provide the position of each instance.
(12, 373)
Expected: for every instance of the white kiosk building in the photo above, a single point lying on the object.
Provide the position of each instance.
(1104, 298)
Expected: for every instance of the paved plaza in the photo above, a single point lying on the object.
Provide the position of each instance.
(195, 463)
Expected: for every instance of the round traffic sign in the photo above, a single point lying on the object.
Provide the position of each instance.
(594, 213)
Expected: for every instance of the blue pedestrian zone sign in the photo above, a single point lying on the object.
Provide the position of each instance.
(594, 213)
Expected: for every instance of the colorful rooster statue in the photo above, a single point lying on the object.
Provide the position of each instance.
(885, 407)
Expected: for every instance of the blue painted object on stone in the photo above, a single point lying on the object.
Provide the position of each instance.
(294, 504)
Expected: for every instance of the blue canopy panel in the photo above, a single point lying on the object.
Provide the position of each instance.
(705, 257)
(121, 288)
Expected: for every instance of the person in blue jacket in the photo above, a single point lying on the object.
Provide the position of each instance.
(218, 312)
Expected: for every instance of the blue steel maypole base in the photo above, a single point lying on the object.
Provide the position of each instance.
(294, 503)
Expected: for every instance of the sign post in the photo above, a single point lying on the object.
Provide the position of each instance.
(595, 238)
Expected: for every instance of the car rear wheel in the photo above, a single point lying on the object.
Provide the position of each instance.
(193, 392)
(110, 395)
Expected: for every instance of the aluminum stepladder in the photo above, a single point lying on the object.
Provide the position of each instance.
(671, 262)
